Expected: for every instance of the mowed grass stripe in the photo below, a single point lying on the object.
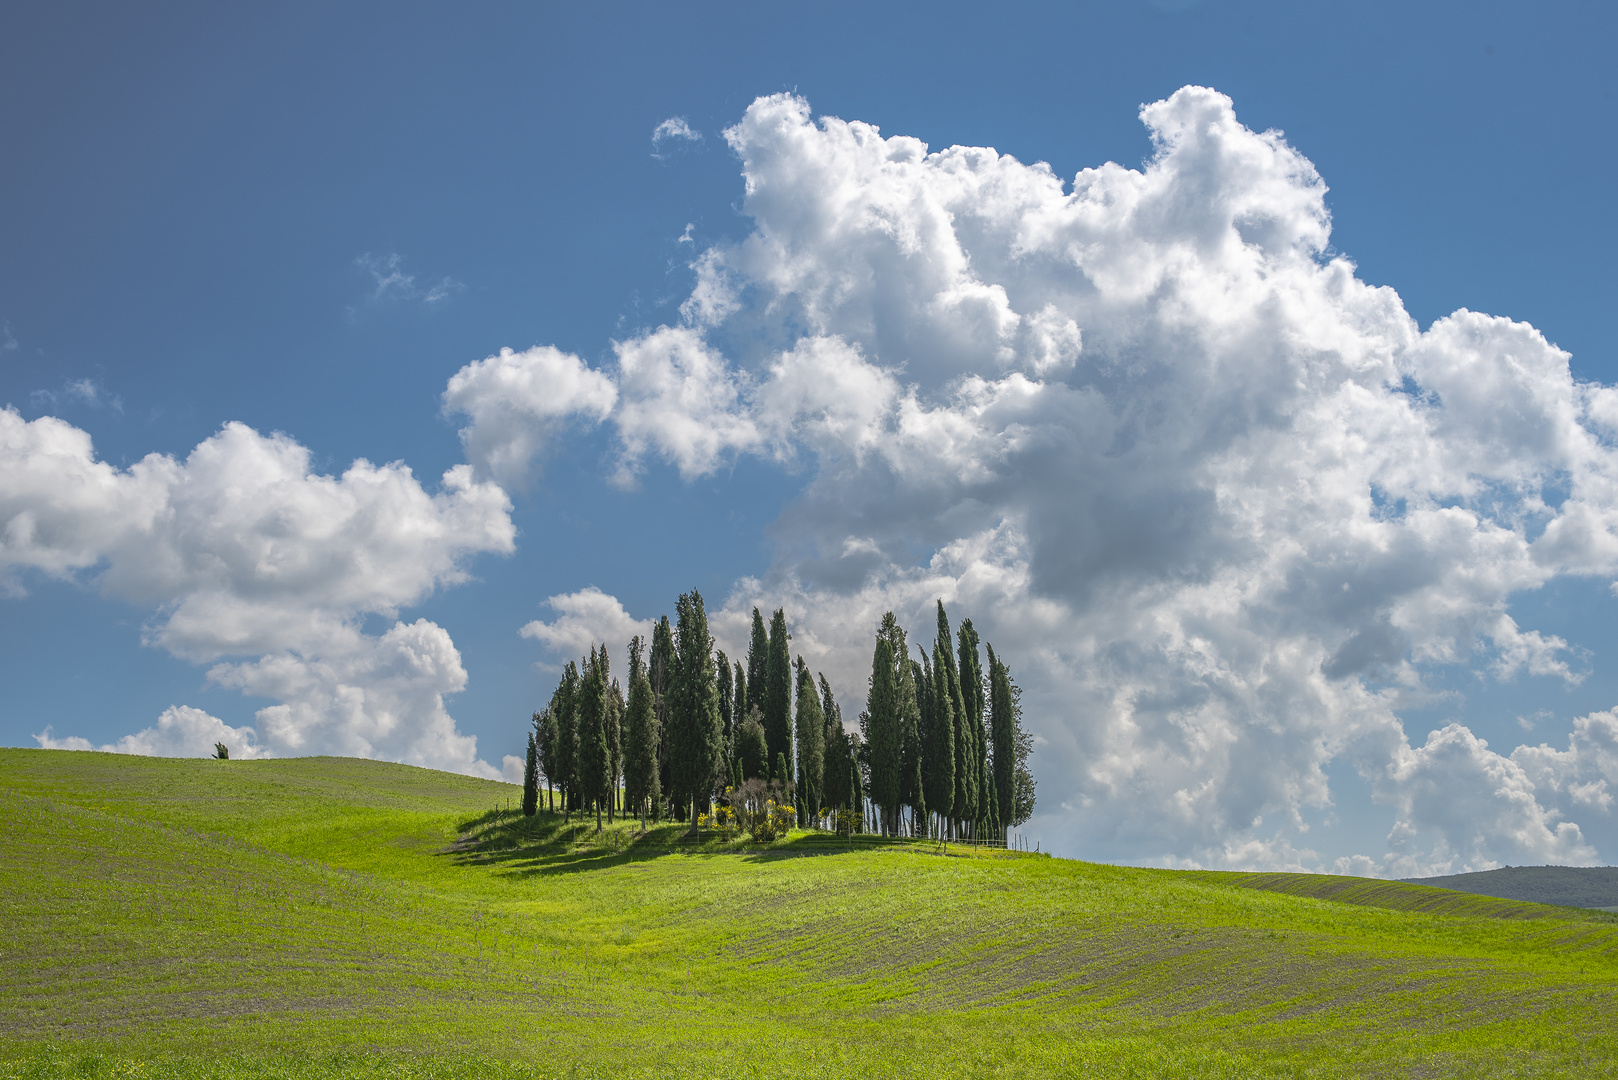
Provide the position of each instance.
(289, 913)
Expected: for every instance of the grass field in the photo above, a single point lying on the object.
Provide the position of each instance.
(320, 917)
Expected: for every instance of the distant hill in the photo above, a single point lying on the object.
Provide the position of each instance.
(1569, 886)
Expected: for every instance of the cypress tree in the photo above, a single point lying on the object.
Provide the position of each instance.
(530, 779)
(941, 745)
(972, 695)
(882, 712)
(964, 806)
(860, 753)
(564, 708)
(694, 709)
(783, 775)
(545, 740)
(739, 699)
(835, 789)
(1002, 738)
(660, 671)
(640, 737)
(811, 730)
(778, 691)
(727, 703)
(1011, 746)
(758, 658)
(911, 750)
(594, 758)
(752, 749)
(615, 733)
(906, 716)
(922, 671)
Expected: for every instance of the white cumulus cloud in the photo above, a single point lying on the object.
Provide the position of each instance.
(180, 731)
(1225, 506)
(243, 550)
(583, 620)
(518, 402)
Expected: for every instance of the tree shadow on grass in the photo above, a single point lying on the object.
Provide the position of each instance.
(547, 844)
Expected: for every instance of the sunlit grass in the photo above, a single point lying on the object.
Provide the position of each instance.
(329, 917)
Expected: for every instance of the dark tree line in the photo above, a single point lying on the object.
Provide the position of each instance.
(939, 751)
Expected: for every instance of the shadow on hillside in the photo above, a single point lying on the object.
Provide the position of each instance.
(548, 844)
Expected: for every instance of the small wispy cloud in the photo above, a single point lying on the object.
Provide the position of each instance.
(675, 130)
(8, 340)
(393, 284)
(78, 392)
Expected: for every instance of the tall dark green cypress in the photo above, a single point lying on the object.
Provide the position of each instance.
(595, 760)
(837, 792)
(1002, 734)
(972, 695)
(694, 709)
(565, 708)
(910, 749)
(640, 738)
(941, 747)
(530, 779)
(752, 748)
(811, 730)
(615, 740)
(964, 807)
(908, 716)
(778, 690)
(882, 713)
(660, 670)
(545, 741)
(758, 658)
(727, 702)
(927, 726)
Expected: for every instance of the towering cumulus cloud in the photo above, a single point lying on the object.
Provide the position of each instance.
(1228, 505)
(240, 551)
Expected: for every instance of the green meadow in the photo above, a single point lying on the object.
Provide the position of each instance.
(321, 917)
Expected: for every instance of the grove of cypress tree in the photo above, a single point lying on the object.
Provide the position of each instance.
(530, 779)
(594, 758)
(882, 712)
(778, 690)
(694, 747)
(811, 731)
(641, 789)
(752, 749)
(758, 658)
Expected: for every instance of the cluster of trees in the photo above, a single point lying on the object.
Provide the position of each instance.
(939, 749)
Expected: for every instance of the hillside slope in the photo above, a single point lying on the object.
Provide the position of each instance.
(1570, 886)
(326, 917)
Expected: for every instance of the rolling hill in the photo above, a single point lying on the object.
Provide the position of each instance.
(319, 917)
(1570, 886)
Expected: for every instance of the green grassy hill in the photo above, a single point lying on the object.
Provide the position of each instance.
(328, 917)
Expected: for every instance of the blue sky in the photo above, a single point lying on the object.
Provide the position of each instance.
(308, 219)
